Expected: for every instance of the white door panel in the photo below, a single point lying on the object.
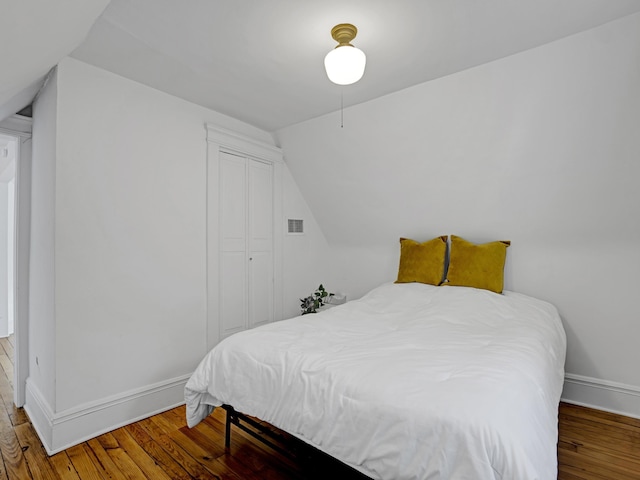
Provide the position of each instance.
(260, 181)
(233, 292)
(260, 288)
(261, 206)
(233, 202)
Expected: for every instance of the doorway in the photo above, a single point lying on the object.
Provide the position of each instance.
(9, 147)
(15, 194)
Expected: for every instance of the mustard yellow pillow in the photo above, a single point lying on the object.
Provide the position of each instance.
(479, 266)
(422, 262)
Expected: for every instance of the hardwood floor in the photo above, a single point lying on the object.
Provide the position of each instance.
(593, 445)
(597, 445)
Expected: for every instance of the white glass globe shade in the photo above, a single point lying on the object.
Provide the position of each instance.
(345, 65)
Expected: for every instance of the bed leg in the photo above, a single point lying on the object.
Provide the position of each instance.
(227, 430)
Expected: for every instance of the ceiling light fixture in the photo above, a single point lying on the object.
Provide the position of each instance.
(345, 64)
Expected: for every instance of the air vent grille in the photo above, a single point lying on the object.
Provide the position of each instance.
(295, 226)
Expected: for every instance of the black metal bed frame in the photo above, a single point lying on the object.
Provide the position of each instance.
(289, 446)
(258, 431)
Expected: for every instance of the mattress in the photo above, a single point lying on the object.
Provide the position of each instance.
(412, 381)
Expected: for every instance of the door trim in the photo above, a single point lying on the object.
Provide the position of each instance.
(20, 127)
(220, 139)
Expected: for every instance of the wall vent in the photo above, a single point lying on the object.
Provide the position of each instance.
(295, 226)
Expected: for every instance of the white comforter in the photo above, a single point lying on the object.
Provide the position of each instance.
(410, 382)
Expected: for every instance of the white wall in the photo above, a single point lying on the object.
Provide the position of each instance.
(540, 148)
(130, 230)
(129, 213)
(307, 258)
(42, 321)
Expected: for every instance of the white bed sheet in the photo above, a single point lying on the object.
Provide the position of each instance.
(410, 382)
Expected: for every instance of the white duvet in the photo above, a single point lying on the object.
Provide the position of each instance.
(410, 382)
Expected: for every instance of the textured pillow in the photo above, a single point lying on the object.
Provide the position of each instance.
(422, 262)
(479, 266)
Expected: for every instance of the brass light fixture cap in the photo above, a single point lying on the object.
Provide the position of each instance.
(343, 33)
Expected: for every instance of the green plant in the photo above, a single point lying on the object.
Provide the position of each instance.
(314, 301)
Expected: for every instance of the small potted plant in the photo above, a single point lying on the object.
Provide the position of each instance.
(314, 301)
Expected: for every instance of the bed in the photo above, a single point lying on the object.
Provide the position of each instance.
(412, 381)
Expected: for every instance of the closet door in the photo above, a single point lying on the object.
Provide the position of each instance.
(246, 243)
(244, 233)
(260, 214)
(233, 244)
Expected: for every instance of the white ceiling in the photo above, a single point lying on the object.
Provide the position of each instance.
(262, 61)
(34, 36)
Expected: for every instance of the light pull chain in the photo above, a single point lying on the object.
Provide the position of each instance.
(341, 108)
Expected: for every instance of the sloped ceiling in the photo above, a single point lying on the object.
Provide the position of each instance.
(34, 36)
(262, 61)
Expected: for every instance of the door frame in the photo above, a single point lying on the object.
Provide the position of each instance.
(220, 139)
(20, 127)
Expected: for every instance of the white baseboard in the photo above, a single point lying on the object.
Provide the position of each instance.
(59, 431)
(602, 394)
(62, 430)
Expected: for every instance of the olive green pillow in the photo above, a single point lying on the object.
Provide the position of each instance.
(478, 266)
(422, 262)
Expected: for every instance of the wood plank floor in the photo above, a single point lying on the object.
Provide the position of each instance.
(592, 445)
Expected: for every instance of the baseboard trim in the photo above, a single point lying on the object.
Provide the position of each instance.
(59, 431)
(40, 414)
(601, 394)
